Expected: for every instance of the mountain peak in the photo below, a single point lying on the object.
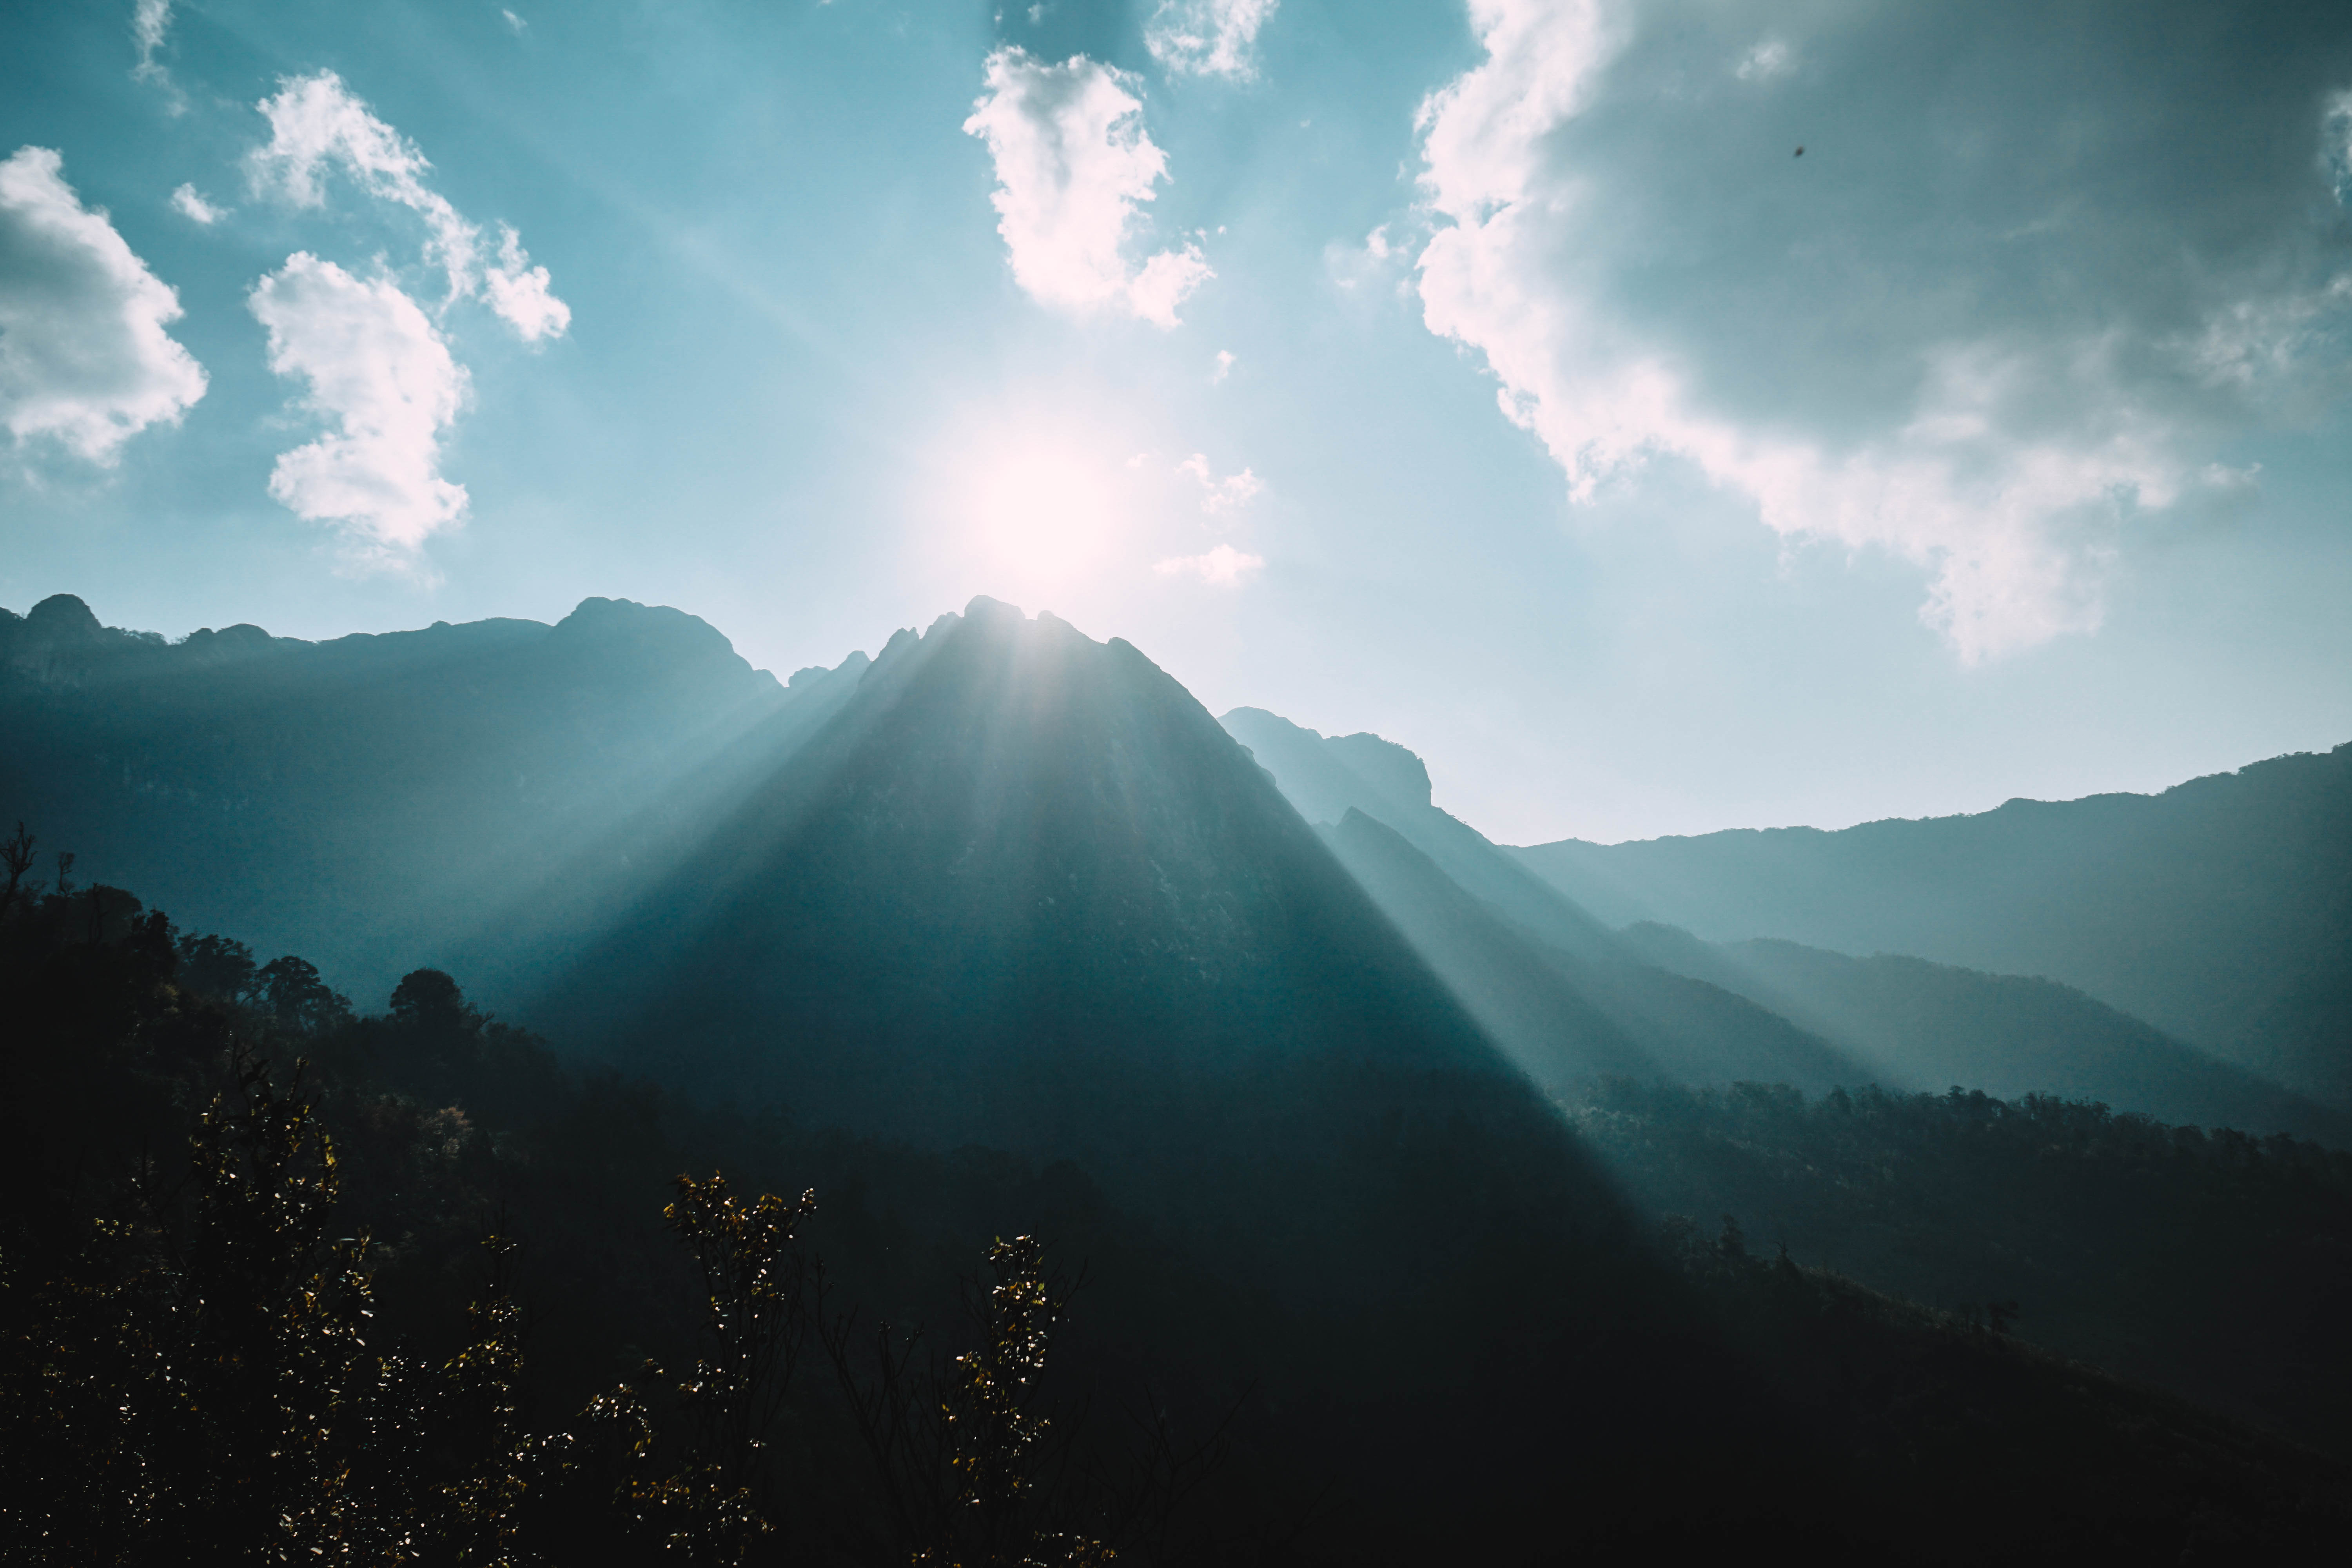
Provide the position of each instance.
(983, 608)
(1396, 772)
(62, 617)
(647, 636)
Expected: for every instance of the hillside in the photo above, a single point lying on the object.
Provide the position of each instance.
(1562, 993)
(2219, 911)
(1908, 1024)
(1411, 1415)
(375, 794)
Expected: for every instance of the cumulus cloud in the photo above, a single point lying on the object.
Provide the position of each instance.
(316, 126)
(84, 358)
(189, 204)
(1220, 567)
(1207, 37)
(1220, 497)
(377, 370)
(2021, 297)
(1072, 160)
(1224, 366)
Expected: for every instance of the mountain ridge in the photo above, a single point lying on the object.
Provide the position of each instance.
(2219, 911)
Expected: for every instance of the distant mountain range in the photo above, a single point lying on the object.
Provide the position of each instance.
(532, 804)
(1773, 1010)
(2219, 911)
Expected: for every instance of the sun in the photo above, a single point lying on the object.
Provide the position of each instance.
(1042, 510)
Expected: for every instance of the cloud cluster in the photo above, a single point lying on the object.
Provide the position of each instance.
(377, 368)
(1072, 162)
(317, 125)
(84, 358)
(1220, 497)
(1221, 566)
(1207, 37)
(2018, 291)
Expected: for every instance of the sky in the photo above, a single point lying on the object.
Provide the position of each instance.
(1662, 417)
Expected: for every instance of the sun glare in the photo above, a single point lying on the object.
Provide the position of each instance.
(1043, 512)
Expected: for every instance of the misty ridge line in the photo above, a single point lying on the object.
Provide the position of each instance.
(66, 621)
(1981, 893)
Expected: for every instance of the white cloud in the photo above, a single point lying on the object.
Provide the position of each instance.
(1219, 497)
(515, 22)
(518, 292)
(1927, 385)
(2336, 145)
(84, 359)
(1767, 60)
(1207, 37)
(1072, 160)
(1221, 566)
(1224, 366)
(189, 204)
(150, 21)
(316, 124)
(378, 370)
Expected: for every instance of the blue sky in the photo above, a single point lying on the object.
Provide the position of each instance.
(1496, 377)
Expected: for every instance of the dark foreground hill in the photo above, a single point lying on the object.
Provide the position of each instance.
(192, 1366)
(2212, 1264)
(2219, 911)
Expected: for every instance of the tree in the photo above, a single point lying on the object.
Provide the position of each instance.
(292, 991)
(17, 855)
(429, 1000)
(755, 1324)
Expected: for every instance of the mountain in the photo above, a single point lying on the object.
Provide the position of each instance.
(1555, 987)
(1915, 1025)
(1020, 890)
(1006, 897)
(1564, 1018)
(2219, 911)
(383, 799)
(1013, 845)
(1328, 776)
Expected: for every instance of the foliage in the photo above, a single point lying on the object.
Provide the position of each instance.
(192, 1354)
(222, 1330)
(2208, 1261)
